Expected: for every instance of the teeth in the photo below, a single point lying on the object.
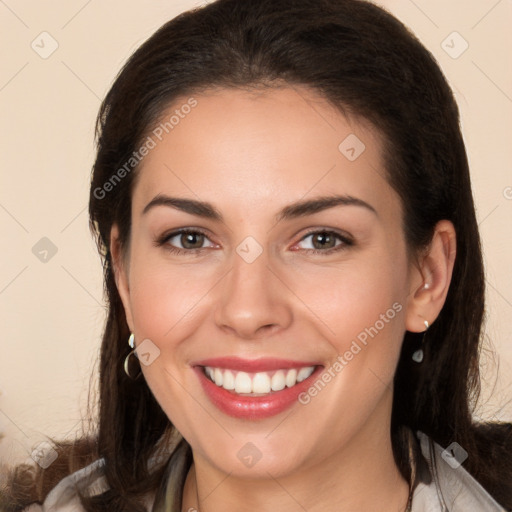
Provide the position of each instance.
(291, 378)
(278, 381)
(218, 377)
(257, 383)
(243, 383)
(260, 383)
(229, 380)
(304, 373)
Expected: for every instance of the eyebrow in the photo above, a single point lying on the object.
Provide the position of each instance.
(192, 206)
(292, 211)
(318, 204)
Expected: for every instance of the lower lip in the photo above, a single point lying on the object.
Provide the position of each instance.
(253, 407)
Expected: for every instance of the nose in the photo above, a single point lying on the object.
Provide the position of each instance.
(252, 300)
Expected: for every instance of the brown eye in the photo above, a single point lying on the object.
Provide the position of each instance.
(323, 240)
(184, 241)
(192, 240)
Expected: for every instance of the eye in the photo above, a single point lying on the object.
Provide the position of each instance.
(325, 241)
(191, 241)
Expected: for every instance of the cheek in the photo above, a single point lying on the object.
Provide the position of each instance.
(166, 303)
(165, 296)
(360, 310)
(355, 296)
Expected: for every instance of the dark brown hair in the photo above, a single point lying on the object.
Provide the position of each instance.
(367, 64)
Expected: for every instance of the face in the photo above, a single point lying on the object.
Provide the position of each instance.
(290, 287)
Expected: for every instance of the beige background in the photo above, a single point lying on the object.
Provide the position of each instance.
(52, 312)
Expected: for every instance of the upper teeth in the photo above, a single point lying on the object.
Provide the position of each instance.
(261, 382)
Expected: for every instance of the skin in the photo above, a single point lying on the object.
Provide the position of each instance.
(250, 154)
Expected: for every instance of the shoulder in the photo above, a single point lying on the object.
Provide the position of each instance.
(452, 488)
(62, 492)
(64, 497)
(88, 481)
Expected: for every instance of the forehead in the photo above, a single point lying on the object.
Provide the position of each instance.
(261, 146)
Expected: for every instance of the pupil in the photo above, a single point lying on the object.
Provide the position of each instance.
(323, 238)
(192, 240)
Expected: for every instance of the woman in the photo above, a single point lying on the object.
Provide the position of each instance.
(282, 199)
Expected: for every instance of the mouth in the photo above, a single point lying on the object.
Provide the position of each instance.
(257, 384)
(254, 389)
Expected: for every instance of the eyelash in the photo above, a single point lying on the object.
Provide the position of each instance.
(346, 242)
(161, 241)
(176, 250)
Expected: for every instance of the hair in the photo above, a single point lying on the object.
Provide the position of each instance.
(368, 64)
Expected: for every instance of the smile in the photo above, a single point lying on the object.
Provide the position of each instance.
(254, 389)
(257, 384)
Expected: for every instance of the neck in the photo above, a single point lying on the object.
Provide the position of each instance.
(362, 475)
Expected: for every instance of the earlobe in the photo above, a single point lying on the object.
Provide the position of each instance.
(434, 275)
(119, 268)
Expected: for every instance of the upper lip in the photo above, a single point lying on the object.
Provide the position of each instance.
(253, 365)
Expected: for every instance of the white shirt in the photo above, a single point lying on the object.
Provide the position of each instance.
(452, 488)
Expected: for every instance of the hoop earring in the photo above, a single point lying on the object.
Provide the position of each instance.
(126, 365)
(418, 355)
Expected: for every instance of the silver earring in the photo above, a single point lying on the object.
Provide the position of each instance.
(126, 366)
(418, 355)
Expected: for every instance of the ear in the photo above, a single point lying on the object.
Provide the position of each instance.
(431, 279)
(120, 269)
